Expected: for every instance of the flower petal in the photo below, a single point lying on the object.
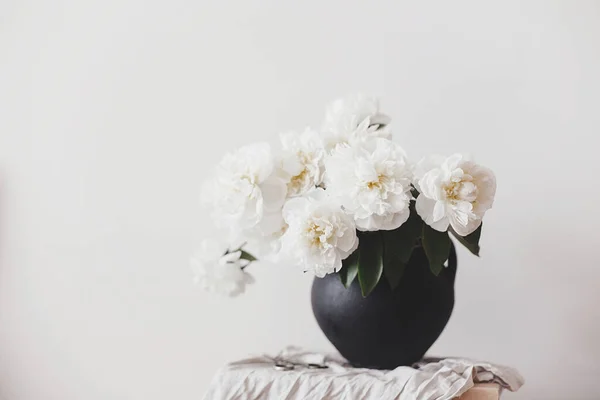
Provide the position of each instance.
(464, 230)
(424, 207)
(439, 211)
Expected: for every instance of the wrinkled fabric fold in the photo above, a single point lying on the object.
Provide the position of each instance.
(440, 379)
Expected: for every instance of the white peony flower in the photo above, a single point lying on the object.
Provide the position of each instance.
(372, 181)
(246, 195)
(267, 247)
(320, 234)
(453, 191)
(352, 120)
(220, 272)
(302, 161)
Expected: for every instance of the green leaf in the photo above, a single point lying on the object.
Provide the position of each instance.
(437, 248)
(247, 256)
(349, 269)
(370, 261)
(393, 269)
(471, 241)
(414, 192)
(400, 242)
(394, 250)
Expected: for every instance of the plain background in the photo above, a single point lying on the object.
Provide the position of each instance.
(113, 112)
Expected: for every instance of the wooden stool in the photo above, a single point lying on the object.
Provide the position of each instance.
(482, 391)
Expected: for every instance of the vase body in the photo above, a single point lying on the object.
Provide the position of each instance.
(388, 328)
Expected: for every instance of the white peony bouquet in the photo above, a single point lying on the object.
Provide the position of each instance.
(343, 199)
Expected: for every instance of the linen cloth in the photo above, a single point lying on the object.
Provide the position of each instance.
(440, 379)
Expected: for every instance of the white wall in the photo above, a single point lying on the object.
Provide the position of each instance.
(112, 112)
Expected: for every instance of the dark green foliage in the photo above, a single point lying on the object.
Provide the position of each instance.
(437, 248)
(370, 261)
(470, 241)
(349, 269)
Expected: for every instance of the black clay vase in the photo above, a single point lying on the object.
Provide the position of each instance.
(388, 328)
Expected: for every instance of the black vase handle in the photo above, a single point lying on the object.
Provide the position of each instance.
(450, 272)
